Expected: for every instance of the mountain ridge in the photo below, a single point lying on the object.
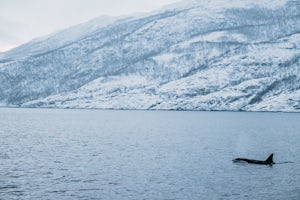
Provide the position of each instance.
(183, 57)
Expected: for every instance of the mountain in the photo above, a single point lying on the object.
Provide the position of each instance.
(57, 40)
(192, 55)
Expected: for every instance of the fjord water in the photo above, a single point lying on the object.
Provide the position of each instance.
(96, 154)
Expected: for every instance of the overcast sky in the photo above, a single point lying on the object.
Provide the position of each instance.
(23, 20)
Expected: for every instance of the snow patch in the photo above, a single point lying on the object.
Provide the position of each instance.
(217, 36)
(164, 58)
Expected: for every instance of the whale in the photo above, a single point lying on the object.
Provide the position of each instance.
(269, 161)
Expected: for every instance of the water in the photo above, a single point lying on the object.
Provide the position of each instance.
(94, 154)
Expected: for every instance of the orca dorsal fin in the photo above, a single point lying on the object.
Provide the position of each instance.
(270, 159)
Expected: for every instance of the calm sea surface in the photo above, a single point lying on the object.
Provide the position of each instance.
(95, 154)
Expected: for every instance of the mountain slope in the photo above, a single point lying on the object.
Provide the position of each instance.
(196, 55)
(58, 39)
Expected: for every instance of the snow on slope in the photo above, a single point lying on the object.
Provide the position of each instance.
(237, 81)
(288, 102)
(125, 92)
(58, 39)
(229, 84)
(225, 4)
(193, 55)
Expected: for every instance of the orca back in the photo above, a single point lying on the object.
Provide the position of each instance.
(270, 159)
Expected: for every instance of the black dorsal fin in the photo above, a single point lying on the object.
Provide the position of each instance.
(270, 159)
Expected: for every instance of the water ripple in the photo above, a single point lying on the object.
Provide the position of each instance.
(62, 154)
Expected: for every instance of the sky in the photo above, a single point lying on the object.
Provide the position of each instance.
(23, 20)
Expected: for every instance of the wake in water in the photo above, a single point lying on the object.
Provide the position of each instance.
(287, 162)
(277, 163)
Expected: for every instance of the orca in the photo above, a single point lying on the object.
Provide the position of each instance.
(269, 161)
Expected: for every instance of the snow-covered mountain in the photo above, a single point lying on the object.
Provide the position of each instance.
(192, 55)
(58, 39)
